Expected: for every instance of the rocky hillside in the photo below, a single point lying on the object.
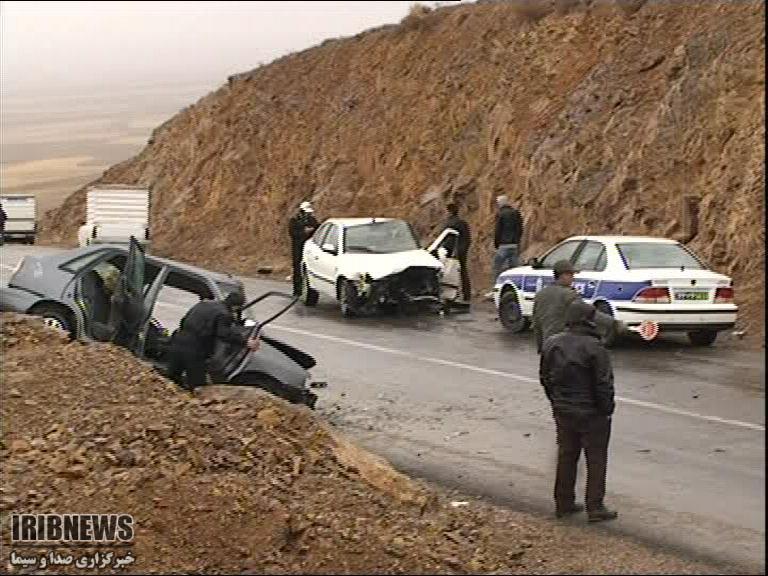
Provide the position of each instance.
(594, 116)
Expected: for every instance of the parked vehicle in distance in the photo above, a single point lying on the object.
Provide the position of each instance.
(114, 214)
(21, 210)
(369, 263)
(632, 278)
(88, 291)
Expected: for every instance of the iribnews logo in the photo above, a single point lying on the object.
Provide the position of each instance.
(72, 528)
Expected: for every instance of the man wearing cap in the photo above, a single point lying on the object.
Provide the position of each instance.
(193, 342)
(301, 227)
(552, 301)
(506, 240)
(575, 371)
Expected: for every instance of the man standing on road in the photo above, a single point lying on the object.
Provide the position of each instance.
(301, 227)
(193, 342)
(3, 218)
(463, 242)
(509, 230)
(551, 303)
(575, 371)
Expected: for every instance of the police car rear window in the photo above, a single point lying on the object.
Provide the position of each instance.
(657, 255)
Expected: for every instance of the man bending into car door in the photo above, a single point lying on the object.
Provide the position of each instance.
(193, 342)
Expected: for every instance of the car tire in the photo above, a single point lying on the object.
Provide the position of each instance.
(55, 317)
(309, 296)
(702, 337)
(510, 313)
(610, 338)
(346, 295)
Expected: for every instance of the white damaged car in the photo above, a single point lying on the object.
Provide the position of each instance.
(369, 263)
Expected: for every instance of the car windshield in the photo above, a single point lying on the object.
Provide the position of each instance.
(380, 237)
(658, 255)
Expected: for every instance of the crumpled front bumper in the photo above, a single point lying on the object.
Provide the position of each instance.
(409, 286)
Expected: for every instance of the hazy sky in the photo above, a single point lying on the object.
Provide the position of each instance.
(71, 44)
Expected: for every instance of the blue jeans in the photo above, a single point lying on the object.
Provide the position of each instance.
(505, 258)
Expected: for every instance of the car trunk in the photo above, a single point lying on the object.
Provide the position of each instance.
(688, 287)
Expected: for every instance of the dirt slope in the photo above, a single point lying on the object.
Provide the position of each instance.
(236, 481)
(594, 118)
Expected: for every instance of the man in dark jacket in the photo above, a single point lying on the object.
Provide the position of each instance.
(509, 230)
(301, 227)
(551, 303)
(3, 218)
(463, 242)
(193, 342)
(575, 371)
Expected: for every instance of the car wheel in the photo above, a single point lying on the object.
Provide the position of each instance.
(55, 317)
(346, 299)
(702, 337)
(309, 295)
(510, 313)
(611, 336)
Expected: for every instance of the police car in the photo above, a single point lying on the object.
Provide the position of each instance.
(632, 278)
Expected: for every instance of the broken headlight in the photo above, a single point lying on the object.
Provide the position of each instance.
(363, 285)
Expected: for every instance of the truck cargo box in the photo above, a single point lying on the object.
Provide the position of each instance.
(114, 213)
(21, 211)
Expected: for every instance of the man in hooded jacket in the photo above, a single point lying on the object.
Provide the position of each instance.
(301, 227)
(193, 343)
(575, 371)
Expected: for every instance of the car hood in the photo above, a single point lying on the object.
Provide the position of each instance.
(381, 265)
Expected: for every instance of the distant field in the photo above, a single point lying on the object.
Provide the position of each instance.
(53, 144)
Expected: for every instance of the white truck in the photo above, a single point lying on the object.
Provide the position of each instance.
(114, 213)
(21, 213)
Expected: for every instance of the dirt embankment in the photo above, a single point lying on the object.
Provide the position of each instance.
(625, 117)
(235, 480)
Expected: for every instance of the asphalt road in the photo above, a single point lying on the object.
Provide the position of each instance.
(455, 400)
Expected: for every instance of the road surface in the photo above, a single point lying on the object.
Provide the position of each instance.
(456, 401)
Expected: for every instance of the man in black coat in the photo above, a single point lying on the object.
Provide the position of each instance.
(506, 240)
(463, 242)
(301, 227)
(3, 218)
(193, 342)
(577, 377)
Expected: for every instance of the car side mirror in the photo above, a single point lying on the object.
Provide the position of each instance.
(534, 263)
(330, 248)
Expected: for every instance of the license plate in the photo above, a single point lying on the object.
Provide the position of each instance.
(692, 295)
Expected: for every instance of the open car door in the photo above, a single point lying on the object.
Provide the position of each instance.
(127, 313)
(444, 248)
(229, 360)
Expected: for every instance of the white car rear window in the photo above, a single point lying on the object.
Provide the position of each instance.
(658, 255)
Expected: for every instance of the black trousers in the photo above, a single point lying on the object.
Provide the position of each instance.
(187, 364)
(296, 254)
(575, 433)
(466, 288)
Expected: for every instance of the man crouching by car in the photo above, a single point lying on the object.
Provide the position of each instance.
(577, 377)
(193, 342)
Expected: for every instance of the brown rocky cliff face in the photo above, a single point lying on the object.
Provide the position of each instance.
(598, 119)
